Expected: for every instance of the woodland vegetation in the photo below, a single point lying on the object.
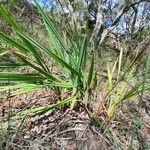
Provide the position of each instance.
(75, 74)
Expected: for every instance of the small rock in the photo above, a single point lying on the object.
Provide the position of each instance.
(27, 137)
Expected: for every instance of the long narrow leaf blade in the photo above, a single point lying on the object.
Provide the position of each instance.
(20, 77)
(49, 52)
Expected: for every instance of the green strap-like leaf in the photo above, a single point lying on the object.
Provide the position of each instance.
(12, 65)
(20, 77)
(18, 86)
(8, 18)
(82, 55)
(52, 27)
(18, 89)
(36, 54)
(49, 52)
(11, 41)
(23, 58)
(42, 109)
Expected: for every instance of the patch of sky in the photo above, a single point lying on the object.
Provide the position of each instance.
(46, 4)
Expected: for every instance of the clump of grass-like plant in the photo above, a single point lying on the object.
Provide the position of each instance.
(126, 85)
(69, 56)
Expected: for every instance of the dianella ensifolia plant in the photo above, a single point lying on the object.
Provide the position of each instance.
(69, 56)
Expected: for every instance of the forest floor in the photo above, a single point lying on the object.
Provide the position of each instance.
(72, 129)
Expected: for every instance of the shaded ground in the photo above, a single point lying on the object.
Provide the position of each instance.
(66, 129)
